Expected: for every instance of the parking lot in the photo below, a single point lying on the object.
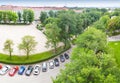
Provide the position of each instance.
(45, 77)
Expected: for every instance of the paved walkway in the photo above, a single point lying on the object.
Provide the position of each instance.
(114, 38)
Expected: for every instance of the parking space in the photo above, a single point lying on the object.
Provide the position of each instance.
(40, 78)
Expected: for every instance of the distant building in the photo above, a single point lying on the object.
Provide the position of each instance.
(37, 10)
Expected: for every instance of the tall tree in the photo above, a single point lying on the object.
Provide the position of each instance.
(19, 16)
(51, 13)
(12, 16)
(114, 25)
(67, 23)
(102, 23)
(43, 17)
(30, 16)
(5, 16)
(25, 15)
(1, 13)
(92, 39)
(8, 47)
(52, 32)
(28, 45)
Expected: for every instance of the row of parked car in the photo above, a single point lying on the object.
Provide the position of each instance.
(35, 69)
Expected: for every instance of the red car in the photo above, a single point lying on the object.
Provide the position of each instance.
(13, 71)
(0, 66)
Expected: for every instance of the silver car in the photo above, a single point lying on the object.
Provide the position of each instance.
(5, 69)
(36, 70)
(51, 64)
(29, 71)
(44, 67)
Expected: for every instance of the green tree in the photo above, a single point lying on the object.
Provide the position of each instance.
(51, 20)
(102, 23)
(92, 39)
(114, 25)
(28, 44)
(85, 67)
(43, 17)
(67, 23)
(8, 47)
(25, 15)
(11, 16)
(1, 14)
(14, 17)
(19, 16)
(51, 13)
(30, 16)
(52, 32)
(4, 16)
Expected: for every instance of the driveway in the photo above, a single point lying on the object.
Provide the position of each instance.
(114, 38)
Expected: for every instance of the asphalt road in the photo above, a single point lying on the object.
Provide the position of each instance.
(43, 77)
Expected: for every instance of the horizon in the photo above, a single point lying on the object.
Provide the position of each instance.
(62, 3)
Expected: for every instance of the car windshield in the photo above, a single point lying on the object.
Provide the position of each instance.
(21, 69)
(5, 69)
(12, 71)
(36, 67)
(51, 63)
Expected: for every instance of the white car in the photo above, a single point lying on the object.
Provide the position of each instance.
(51, 64)
(4, 70)
(36, 70)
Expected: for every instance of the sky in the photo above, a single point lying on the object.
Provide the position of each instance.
(61, 3)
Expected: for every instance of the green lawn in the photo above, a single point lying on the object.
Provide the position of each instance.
(115, 46)
(32, 58)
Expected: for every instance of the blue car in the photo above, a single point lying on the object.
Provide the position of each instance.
(21, 70)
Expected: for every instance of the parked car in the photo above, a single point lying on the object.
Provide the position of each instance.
(62, 59)
(44, 67)
(4, 69)
(29, 71)
(13, 70)
(21, 70)
(51, 64)
(36, 70)
(0, 66)
(56, 61)
(66, 56)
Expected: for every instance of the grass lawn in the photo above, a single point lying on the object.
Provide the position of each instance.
(21, 60)
(115, 46)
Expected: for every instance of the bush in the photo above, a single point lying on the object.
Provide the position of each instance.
(39, 27)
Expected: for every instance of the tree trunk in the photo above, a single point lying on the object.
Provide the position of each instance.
(55, 48)
(10, 54)
(27, 54)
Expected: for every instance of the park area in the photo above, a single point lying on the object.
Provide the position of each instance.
(115, 47)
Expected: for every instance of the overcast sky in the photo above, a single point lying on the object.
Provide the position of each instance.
(61, 3)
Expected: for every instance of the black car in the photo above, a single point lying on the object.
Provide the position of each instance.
(29, 70)
(66, 56)
(56, 62)
(62, 59)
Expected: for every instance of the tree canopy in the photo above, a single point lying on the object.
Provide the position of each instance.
(92, 39)
(52, 32)
(28, 45)
(28, 16)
